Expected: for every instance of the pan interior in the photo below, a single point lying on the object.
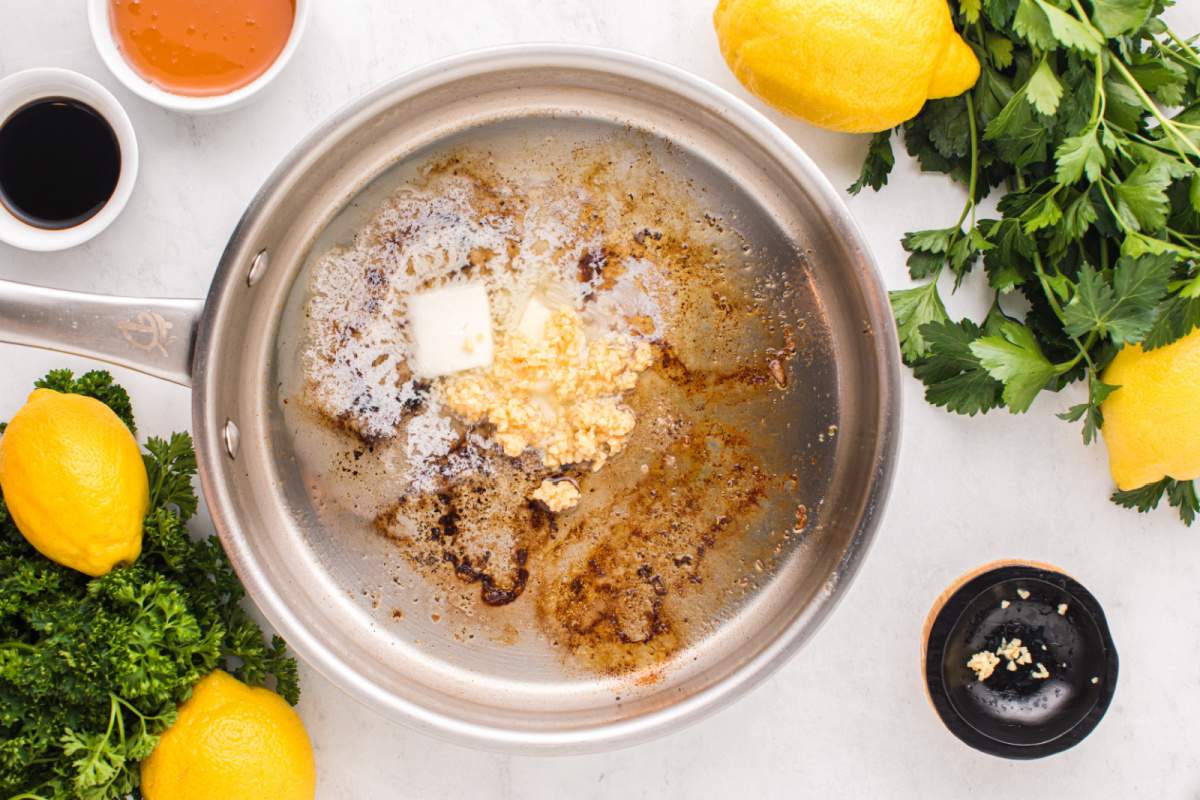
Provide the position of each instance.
(788, 284)
(675, 535)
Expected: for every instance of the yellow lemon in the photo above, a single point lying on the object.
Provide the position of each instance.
(231, 742)
(847, 65)
(1152, 423)
(74, 481)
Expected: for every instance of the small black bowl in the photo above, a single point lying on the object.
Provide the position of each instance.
(1014, 714)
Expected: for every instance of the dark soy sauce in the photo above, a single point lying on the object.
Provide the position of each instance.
(59, 163)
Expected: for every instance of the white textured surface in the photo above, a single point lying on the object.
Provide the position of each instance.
(847, 717)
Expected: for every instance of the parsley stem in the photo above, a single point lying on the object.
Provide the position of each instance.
(1184, 47)
(1157, 144)
(22, 646)
(1041, 272)
(1052, 299)
(1174, 55)
(1098, 99)
(1086, 20)
(1168, 125)
(974, 182)
(1187, 237)
(1045, 281)
(1112, 208)
(969, 208)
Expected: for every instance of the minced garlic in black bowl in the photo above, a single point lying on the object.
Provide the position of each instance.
(1018, 660)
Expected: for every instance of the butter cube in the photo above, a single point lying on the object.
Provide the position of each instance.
(533, 320)
(450, 329)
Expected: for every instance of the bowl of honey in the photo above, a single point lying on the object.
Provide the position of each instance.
(197, 55)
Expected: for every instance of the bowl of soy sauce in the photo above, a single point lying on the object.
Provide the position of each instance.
(68, 159)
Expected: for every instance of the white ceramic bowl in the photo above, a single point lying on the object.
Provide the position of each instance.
(23, 88)
(106, 43)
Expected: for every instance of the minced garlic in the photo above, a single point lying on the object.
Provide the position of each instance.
(556, 392)
(557, 495)
(1016, 653)
(1040, 672)
(983, 664)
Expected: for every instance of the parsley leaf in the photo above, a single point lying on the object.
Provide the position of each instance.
(1180, 495)
(1045, 213)
(1079, 155)
(1015, 358)
(952, 374)
(1125, 310)
(935, 241)
(1031, 24)
(1116, 17)
(1178, 317)
(913, 308)
(1162, 78)
(878, 164)
(1142, 197)
(170, 466)
(1018, 135)
(1137, 245)
(1077, 218)
(1069, 31)
(1143, 498)
(1122, 106)
(949, 128)
(1089, 412)
(1043, 90)
(1000, 50)
(1008, 263)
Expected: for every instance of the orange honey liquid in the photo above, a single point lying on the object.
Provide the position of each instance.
(201, 47)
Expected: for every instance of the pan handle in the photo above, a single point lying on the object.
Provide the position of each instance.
(150, 335)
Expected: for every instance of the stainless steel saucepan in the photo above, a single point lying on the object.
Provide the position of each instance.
(307, 580)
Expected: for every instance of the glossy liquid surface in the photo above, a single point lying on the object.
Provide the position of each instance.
(201, 48)
(59, 163)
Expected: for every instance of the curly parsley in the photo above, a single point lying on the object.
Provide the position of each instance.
(1087, 113)
(93, 669)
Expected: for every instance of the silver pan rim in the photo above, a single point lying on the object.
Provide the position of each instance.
(230, 276)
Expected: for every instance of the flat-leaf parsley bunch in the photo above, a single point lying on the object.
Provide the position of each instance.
(1087, 113)
(93, 669)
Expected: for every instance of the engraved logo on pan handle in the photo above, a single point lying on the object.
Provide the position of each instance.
(148, 331)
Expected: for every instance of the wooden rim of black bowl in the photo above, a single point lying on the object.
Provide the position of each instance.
(1013, 715)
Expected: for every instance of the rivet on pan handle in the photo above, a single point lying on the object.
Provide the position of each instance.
(232, 437)
(258, 267)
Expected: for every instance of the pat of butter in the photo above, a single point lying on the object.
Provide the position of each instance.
(450, 330)
(532, 326)
(533, 320)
